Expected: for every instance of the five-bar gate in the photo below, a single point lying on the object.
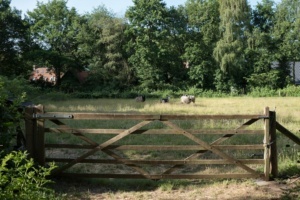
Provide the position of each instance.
(180, 146)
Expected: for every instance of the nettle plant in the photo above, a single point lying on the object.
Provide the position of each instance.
(20, 178)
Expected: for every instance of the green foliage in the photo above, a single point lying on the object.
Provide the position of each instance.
(229, 50)
(103, 43)
(263, 16)
(287, 28)
(21, 179)
(262, 92)
(12, 38)
(260, 42)
(18, 86)
(207, 44)
(264, 80)
(10, 115)
(54, 96)
(55, 27)
(203, 20)
(290, 91)
(286, 35)
(155, 44)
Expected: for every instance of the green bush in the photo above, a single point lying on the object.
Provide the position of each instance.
(262, 92)
(21, 179)
(10, 115)
(54, 96)
(17, 86)
(290, 91)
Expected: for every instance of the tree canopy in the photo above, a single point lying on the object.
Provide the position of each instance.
(204, 44)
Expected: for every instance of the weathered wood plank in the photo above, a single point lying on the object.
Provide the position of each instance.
(160, 162)
(267, 147)
(158, 147)
(39, 138)
(152, 131)
(287, 133)
(30, 128)
(112, 116)
(273, 138)
(162, 176)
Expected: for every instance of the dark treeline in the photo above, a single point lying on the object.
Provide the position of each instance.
(217, 45)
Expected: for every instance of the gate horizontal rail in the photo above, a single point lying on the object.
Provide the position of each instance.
(117, 116)
(157, 147)
(163, 176)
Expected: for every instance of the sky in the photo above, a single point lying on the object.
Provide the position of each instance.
(116, 6)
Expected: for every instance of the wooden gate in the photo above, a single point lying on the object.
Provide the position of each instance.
(195, 153)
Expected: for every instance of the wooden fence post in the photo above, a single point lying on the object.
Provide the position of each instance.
(266, 144)
(30, 128)
(273, 146)
(39, 138)
(35, 144)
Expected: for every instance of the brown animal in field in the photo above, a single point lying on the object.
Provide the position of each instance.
(141, 98)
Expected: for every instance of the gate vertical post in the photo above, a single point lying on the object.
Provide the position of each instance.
(273, 146)
(30, 129)
(266, 144)
(39, 139)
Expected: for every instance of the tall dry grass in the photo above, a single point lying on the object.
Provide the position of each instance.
(287, 108)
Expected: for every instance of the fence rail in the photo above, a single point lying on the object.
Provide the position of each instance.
(201, 152)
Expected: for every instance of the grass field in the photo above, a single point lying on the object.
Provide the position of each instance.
(287, 113)
(287, 108)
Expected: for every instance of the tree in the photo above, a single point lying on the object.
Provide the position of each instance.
(152, 50)
(261, 46)
(55, 29)
(104, 39)
(286, 33)
(263, 16)
(229, 51)
(12, 38)
(202, 38)
(174, 62)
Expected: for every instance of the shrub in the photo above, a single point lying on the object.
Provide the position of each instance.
(21, 179)
(262, 92)
(54, 96)
(17, 86)
(290, 91)
(10, 115)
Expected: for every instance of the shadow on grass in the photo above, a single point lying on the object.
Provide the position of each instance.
(128, 184)
(82, 188)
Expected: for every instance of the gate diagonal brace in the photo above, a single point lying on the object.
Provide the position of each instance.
(211, 148)
(106, 144)
(216, 142)
(75, 132)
